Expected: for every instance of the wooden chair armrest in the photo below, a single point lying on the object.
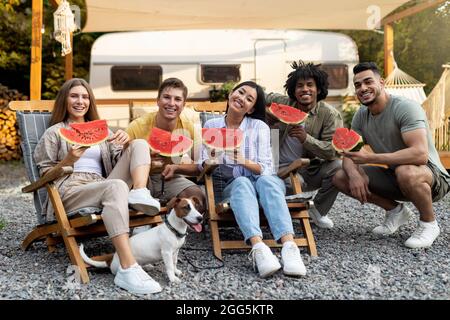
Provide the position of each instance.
(208, 168)
(284, 173)
(50, 176)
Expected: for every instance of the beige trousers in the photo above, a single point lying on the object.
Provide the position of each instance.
(82, 189)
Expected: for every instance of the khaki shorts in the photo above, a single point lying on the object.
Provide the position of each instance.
(172, 188)
(383, 182)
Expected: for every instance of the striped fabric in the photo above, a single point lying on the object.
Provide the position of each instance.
(205, 116)
(32, 126)
(218, 183)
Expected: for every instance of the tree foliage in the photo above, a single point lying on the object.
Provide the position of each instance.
(15, 55)
(421, 44)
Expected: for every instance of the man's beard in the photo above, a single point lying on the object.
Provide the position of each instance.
(371, 102)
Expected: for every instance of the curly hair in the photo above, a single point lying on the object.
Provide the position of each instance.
(306, 71)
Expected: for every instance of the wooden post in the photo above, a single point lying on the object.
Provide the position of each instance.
(388, 49)
(69, 62)
(36, 50)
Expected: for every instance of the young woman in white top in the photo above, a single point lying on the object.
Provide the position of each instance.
(101, 177)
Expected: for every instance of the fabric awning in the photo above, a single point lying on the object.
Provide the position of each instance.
(133, 15)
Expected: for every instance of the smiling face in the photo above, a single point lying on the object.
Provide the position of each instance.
(368, 87)
(77, 103)
(306, 93)
(242, 100)
(171, 103)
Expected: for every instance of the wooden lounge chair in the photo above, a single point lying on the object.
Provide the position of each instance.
(220, 214)
(33, 118)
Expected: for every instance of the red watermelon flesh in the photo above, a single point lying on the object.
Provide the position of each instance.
(86, 133)
(169, 144)
(222, 138)
(287, 114)
(347, 140)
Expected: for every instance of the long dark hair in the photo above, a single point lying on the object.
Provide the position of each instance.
(306, 71)
(260, 103)
(60, 113)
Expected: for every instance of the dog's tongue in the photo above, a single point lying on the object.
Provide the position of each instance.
(197, 227)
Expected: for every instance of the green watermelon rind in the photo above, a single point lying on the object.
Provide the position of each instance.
(356, 147)
(166, 154)
(220, 148)
(300, 121)
(62, 133)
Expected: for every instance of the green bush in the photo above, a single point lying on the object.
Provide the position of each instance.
(348, 111)
(221, 94)
(2, 224)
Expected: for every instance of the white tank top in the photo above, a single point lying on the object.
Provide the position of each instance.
(90, 161)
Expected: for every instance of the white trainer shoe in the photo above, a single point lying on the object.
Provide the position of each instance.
(393, 221)
(264, 260)
(135, 280)
(424, 235)
(142, 200)
(319, 220)
(291, 260)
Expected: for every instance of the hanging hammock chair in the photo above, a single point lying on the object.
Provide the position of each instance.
(437, 108)
(64, 25)
(402, 84)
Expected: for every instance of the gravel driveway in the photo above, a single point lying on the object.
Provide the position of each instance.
(352, 263)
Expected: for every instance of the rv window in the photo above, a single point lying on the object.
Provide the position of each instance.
(214, 73)
(126, 78)
(337, 75)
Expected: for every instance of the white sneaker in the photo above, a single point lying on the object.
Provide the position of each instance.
(393, 221)
(319, 220)
(135, 280)
(424, 235)
(291, 260)
(142, 200)
(264, 260)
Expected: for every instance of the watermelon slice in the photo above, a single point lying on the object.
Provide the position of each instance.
(86, 133)
(347, 140)
(169, 144)
(222, 138)
(287, 114)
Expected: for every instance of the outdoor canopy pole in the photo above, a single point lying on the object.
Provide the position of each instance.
(388, 49)
(389, 30)
(36, 50)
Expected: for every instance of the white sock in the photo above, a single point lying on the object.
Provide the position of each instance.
(259, 245)
(431, 223)
(289, 243)
(397, 209)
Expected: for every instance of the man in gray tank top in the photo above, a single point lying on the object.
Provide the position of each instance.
(397, 130)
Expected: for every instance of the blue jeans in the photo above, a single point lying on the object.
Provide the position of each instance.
(244, 193)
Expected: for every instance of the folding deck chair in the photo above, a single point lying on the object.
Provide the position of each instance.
(220, 214)
(33, 118)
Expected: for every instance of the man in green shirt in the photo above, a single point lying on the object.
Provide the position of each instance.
(397, 130)
(306, 87)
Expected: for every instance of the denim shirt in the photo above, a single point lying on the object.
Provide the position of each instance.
(255, 147)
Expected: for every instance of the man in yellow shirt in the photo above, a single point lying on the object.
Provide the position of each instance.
(171, 100)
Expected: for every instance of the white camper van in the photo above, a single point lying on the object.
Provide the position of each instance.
(131, 65)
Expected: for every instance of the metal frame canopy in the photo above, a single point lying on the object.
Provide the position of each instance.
(133, 15)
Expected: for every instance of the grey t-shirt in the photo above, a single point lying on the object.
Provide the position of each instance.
(290, 150)
(383, 131)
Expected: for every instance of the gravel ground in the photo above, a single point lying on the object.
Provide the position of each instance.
(352, 263)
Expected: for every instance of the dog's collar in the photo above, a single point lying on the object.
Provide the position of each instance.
(175, 231)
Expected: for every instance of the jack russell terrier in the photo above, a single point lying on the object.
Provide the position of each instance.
(161, 242)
